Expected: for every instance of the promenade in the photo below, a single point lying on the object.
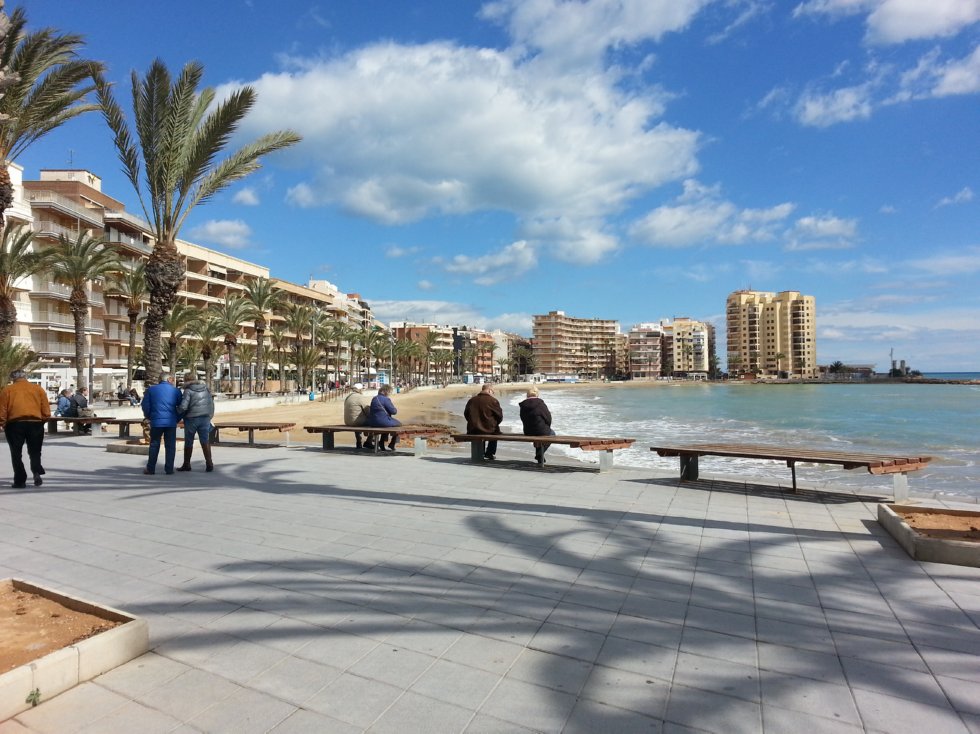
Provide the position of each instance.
(297, 591)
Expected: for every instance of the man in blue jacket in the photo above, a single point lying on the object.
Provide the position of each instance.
(159, 405)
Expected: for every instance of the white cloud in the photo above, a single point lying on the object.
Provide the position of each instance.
(822, 233)
(840, 105)
(962, 196)
(425, 285)
(897, 21)
(965, 262)
(398, 251)
(247, 196)
(568, 33)
(581, 241)
(449, 312)
(231, 233)
(887, 209)
(511, 262)
(701, 216)
(575, 146)
(932, 77)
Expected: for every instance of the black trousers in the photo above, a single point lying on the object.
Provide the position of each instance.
(19, 433)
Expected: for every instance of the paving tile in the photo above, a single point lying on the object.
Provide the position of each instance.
(536, 707)
(809, 696)
(242, 662)
(897, 716)
(141, 674)
(711, 712)
(131, 716)
(637, 657)
(310, 722)
(415, 714)
(802, 663)
(456, 683)
(964, 694)
(777, 720)
(484, 653)
(395, 665)
(718, 676)
(355, 700)
(483, 724)
(589, 717)
(188, 694)
(337, 649)
(887, 652)
(87, 702)
(551, 671)
(294, 679)
(624, 690)
(741, 625)
(568, 641)
(244, 712)
(893, 680)
(719, 645)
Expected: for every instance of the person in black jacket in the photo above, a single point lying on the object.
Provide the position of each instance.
(537, 421)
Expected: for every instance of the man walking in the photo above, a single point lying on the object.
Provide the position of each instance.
(197, 409)
(357, 407)
(483, 416)
(23, 409)
(160, 407)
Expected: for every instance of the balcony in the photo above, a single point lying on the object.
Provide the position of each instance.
(64, 205)
(47, 228)
(55, 318)
(114, 215)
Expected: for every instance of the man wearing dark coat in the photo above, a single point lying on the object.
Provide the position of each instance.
(483, 416)
(537, 421)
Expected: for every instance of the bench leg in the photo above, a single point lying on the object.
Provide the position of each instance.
(605, 460)
(689, 468)
(251, 436)
(327, 441)
(123, 430)
(792, 468)
(477, 450)
(900, 482)
(420, 446)
(287, 438)
(52, 427)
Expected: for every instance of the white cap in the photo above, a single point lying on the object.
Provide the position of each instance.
(358, 386)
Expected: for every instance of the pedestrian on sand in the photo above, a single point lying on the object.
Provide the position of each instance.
(23, 409)
(381, 412)
(483, 416)
(357, 407)
(160, 408)
(197, 409)
(537, 421)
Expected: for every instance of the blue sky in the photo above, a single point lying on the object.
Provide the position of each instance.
(480, 162)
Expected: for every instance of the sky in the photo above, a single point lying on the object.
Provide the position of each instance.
(478, 162)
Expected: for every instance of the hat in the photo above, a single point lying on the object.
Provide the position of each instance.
(358, 386)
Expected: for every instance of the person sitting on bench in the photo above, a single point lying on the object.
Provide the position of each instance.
(381, 412)
(537, 421)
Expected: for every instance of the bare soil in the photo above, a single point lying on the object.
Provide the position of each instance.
(31, 626)
(946, 526)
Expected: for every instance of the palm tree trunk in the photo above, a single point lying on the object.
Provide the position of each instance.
(79, 310)
(259, 357)
(231, 365)
(164, 274)
(8, 316)
(172, 355)
(131, 357)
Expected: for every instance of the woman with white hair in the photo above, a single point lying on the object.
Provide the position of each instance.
(537, 421)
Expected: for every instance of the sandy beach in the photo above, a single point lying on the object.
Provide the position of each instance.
(426, 406)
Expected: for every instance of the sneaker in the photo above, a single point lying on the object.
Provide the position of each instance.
(37, 480)
(489, 457)
(147, 471)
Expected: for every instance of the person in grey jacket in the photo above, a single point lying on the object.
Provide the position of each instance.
(197, 409)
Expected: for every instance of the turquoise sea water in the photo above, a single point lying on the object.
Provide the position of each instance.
(937, 420)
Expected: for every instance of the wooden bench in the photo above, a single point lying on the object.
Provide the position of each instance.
(899, 466)
(251, 427)
(478, 444)
(232, 395)
(418, 434)
(123, 423)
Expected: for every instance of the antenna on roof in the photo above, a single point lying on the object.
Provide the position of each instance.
(71, 158)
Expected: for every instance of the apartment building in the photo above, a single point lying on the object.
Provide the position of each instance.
(69, 202)
(771, 334)
(682, 347)
(441, 339)
(565, 345)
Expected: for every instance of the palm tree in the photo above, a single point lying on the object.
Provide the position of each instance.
(45, 84)
(369, 339)
(279, 340)
(17, 261)
(298, 321)
(231, 314)
(181, 132)
(307, 359)
(380, 352)
(246, 358)
(503, 363)
(76, 263)
(189, 355)
(338, 332)
(428, 343)
(178, 323)
(207, 330)
(780, 356)
(264, 299)
(129, 286)
(15, 357)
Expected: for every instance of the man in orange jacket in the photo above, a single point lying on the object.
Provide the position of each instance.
(24, 408)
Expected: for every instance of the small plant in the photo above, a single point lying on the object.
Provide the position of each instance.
(34, 697)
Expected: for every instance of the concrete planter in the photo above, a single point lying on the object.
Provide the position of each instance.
(923, 548)
(62, 669)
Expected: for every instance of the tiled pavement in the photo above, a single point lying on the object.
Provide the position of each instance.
(292, 591)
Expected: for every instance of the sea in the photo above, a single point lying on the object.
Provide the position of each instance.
(938, 420)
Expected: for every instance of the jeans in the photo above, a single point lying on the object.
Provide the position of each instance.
(169, 436)
(19, 433)
(200, 426)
